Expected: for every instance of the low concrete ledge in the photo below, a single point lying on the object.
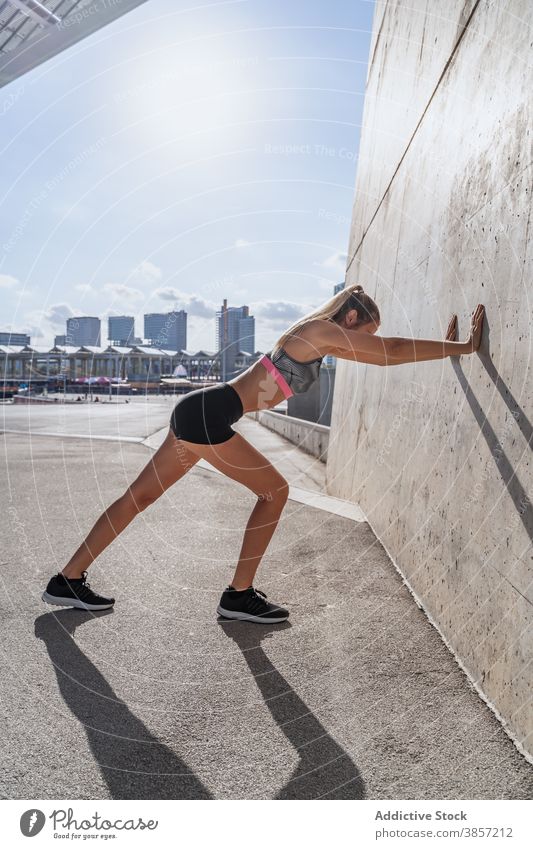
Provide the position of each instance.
(310, 437)
(37, 399)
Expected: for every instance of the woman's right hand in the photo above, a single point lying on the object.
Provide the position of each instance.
(476, 327)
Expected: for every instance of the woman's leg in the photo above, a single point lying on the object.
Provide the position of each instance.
(239, 460)
(170, 462)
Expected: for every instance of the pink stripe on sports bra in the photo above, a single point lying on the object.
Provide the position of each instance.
(278, 377)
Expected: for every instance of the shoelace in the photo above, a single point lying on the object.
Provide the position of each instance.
(257, 600)
(83, 579)
(83, 589)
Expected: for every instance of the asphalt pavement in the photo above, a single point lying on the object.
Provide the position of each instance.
(356, 696)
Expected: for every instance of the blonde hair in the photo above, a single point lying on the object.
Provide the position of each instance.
(351, 297)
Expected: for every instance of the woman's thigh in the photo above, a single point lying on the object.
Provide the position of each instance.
(239, 460)
(169, 463)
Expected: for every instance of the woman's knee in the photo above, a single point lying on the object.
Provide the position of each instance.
(275, 493)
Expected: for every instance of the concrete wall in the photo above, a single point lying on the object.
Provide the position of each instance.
(316, 404)
(438, 454)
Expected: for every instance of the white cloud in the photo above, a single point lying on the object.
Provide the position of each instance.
(85, 288)
(326, 285)
(7, 281)
(336, 261)
(146, 272)
(279, 314)
(120, 290)
(241, 243)
(56, 315)
(44, 324)
(192, 304)
(34, 331)
(168, 293)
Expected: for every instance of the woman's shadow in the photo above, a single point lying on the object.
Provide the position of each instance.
(134, 764)
(325, 770)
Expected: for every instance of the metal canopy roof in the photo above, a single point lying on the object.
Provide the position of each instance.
(32, 31)
(144, 350)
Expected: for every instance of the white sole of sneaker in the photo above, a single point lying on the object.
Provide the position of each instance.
(247, 617)
(72, 602)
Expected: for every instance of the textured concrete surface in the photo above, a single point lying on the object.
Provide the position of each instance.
(355, 697)
(438, 454)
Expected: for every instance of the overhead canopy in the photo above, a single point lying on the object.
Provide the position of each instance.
(94, 350)
(32, 31)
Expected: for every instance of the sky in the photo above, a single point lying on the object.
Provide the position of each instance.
(187, 153)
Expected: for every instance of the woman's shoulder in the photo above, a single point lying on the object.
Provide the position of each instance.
(317, 330)
(327, 336)
(311, 337)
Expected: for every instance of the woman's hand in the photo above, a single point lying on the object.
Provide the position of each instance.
(451, 333)
(476, 327)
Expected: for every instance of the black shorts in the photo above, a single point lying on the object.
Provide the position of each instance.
(206, 415)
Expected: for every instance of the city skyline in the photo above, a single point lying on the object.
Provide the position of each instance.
(165, 330)
(160, 165)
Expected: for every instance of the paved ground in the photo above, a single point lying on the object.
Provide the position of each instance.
(355, 697)
(137, 419)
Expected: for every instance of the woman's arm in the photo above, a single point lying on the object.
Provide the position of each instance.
(395, 350)
(416, 350)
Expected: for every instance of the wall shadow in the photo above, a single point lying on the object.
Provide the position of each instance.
(133, 763)
(522, 421)
(325, 770)
(517, 492)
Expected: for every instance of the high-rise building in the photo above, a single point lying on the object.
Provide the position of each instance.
(83, 330)
(338, 287)
(8, 338)
(121, 329)
(60, 339)
(247, 331)
(166, 330)
(235, 332)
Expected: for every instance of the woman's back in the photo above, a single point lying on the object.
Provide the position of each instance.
(294, 376)
(299, 363)
(302, 346)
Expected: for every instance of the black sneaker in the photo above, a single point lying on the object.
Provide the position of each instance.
(250, 605)
(74, 592)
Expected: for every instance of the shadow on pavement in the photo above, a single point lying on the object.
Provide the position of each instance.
(325, 769)
(134, 764)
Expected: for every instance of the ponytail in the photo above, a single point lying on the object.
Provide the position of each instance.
(351, 297)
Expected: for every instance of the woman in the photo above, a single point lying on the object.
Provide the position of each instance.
(200, 427)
